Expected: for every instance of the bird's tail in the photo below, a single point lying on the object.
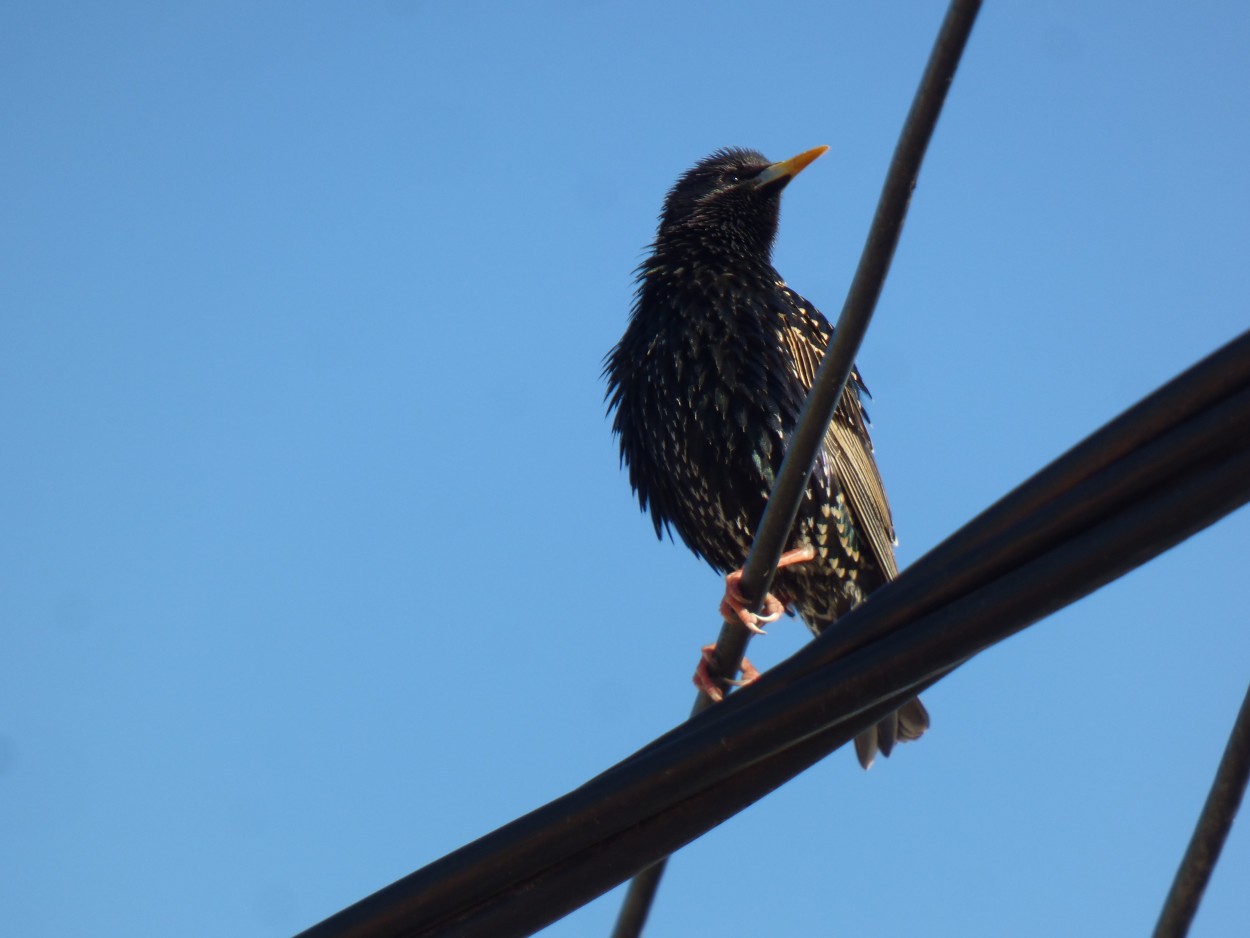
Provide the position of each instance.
(907, 722)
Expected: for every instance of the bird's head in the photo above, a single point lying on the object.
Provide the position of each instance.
(731, 199)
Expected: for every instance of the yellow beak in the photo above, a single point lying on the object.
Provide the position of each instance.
(788, 169)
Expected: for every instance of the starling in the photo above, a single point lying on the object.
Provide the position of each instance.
(707, 384)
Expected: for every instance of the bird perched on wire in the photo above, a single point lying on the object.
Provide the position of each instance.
(707, 384)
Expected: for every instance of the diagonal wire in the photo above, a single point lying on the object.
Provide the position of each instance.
(861, 300)
(1214, 823)
(733, 762)
(828, 386)
(1223, 372)
(1201, 403)
(738, 755)
(1163, 470)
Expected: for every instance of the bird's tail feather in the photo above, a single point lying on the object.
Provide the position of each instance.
(907, 722)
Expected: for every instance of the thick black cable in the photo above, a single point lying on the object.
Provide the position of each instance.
(945, 574)
(1177, 424)
(505, 872)
(742, 749)
(1214, 823)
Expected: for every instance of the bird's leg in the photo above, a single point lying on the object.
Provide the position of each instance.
(734, 609)
(734, 606)
(704, 674)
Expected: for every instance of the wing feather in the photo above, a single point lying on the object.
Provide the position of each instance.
(847, 448)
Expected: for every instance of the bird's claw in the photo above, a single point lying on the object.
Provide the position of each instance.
(710, 685)
(733, 608)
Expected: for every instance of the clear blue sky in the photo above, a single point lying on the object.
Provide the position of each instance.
(316, 561)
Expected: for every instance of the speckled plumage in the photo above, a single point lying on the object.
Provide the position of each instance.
(707, 384)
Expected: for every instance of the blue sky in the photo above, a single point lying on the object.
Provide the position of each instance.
(317, 562)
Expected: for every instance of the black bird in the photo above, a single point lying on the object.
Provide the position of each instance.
(707, 384)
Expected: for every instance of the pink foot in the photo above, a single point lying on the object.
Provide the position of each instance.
(733, 608)
(703, 674)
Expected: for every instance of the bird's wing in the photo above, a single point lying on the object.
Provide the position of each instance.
(848, 447)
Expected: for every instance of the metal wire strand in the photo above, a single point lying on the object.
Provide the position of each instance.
(829, 384)
(1214, 823)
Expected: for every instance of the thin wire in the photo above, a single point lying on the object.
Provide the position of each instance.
(828, 386)
(1214, 823)
(640, 896)
(861, 300)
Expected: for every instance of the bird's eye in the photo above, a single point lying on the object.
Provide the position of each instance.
(730, 177)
